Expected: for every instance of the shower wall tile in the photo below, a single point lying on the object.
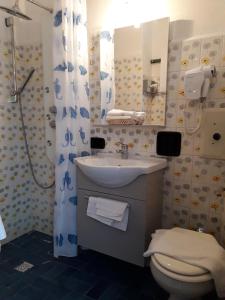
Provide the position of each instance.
(194, 190)
(23, 206)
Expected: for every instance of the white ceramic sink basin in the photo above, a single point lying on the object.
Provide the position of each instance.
(115, 172)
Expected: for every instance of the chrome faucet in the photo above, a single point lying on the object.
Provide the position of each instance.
(123, 151)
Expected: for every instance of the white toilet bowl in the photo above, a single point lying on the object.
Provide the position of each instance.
(181, 280)
(2, 231)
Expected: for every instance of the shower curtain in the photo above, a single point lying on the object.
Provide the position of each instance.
(71, 93)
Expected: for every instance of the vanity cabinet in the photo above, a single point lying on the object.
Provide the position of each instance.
(144, 196)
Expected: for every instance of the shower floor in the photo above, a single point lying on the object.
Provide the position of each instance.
(28, 271)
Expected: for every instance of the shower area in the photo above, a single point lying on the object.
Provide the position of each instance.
(27, 133)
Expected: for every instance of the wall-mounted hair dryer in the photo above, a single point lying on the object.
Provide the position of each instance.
(197, 83)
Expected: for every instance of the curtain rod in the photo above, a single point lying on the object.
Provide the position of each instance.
(41, 6)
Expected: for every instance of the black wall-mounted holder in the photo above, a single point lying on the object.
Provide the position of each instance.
(168, 143)
(155, 61)
(97, 143)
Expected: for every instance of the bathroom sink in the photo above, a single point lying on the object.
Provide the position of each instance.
(116, 172)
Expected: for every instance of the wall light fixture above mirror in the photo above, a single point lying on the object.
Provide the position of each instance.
(133, 71)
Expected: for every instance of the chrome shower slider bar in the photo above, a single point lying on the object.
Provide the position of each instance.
(41, 6)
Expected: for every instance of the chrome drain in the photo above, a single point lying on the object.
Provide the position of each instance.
(25, 266)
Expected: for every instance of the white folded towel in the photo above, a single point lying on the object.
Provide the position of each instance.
(140, 114)
(195, 248)
(117, 114)
(2, 230)
(108, 118)
(111, 209)
(110, 212)
(120, 112)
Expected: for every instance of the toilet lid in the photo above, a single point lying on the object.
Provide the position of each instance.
(179, 267)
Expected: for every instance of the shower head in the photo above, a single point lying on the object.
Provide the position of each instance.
(15, 11)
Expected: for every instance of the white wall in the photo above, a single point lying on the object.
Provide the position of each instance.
(208, 16)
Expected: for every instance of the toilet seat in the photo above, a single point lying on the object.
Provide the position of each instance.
(177, 266)
(179, 270)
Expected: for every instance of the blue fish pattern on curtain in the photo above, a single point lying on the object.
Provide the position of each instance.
(71, 91)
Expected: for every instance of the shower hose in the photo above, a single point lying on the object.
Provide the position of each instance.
(45, 187)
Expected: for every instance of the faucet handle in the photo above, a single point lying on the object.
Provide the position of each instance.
(124, 149)
(121, 144)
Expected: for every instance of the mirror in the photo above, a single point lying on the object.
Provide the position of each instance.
(133, 70)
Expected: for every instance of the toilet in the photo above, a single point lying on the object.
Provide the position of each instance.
(181, 280)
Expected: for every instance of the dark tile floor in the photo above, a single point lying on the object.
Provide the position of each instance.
(90, 276)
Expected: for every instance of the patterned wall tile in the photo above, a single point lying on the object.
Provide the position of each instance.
(180, 217)
(200, 197)
(183, 168)
(174, 55)
(180, 87)
(172, 84)
(171, 110)
(21, 202)
(211, 51)
(222, 60)
(218, 92)
(182, 193)
(180, 113)
(187, 143)
(196, 143)
(198, 220)
(190, 55)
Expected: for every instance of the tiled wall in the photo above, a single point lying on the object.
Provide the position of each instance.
(23, 206)
(194, 187)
